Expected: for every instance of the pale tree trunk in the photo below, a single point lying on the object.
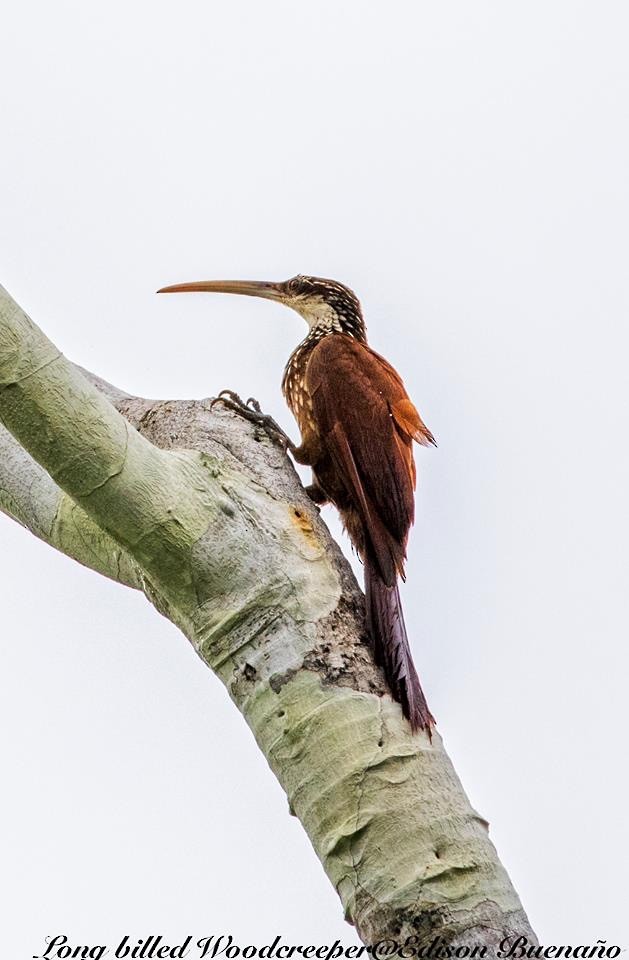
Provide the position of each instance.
(197, 509)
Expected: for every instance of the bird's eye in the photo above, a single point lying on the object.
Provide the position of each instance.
(298, 284)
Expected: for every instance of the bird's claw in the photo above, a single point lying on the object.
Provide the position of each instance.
(231, 399)
(252, 411)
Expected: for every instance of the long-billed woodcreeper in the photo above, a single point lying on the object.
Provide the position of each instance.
(357, 428)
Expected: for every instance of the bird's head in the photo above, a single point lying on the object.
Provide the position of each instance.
(326, 305)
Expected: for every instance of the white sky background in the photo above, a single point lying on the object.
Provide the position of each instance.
(463, 166)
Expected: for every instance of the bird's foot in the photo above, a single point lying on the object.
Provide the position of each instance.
(316, 494)
(251, 411)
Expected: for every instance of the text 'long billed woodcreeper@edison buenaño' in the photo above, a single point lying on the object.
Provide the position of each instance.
(357, 428)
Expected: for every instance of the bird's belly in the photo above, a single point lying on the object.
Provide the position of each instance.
(327, 477)
(299, 401)
(322, 467)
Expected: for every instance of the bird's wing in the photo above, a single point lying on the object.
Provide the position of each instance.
(367, 423)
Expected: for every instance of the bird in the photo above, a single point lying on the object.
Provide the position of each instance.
(357, 426)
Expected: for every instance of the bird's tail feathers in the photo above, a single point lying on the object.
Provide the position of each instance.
(385, 622)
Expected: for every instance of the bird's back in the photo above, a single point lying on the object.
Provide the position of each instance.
(365, 424)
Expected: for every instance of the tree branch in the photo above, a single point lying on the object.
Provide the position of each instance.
(29, 495)
(214, 521)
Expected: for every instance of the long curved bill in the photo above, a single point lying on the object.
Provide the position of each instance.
(248, 288)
